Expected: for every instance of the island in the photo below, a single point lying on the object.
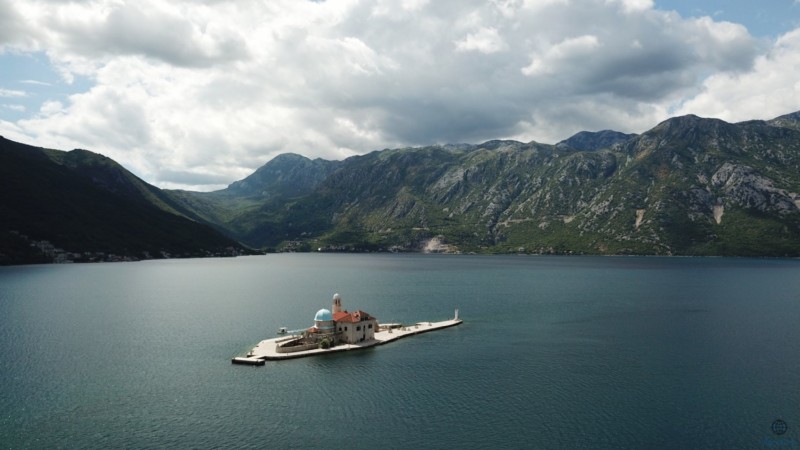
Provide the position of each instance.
(336, 330)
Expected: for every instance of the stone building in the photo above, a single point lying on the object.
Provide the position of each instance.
(333, 328)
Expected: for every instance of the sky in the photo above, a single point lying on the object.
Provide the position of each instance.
(196, 94)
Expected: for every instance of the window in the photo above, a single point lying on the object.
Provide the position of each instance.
(370, 326)
(358, 328)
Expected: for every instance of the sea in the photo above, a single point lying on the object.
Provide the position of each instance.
(554, 352)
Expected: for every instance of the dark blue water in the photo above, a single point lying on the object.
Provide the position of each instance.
(555, 352)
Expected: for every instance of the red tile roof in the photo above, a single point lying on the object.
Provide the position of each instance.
(352, 317)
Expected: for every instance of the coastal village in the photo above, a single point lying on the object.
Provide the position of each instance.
(47, 252)
(336, 330)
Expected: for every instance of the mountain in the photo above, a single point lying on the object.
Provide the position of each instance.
(590, 141)
(79, 205)
(689, 186)
(259, 210)
(287, 175)
(788, 121)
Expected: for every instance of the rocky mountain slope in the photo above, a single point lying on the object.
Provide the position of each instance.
(689, 186)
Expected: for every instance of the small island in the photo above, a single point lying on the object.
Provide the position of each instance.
(336, 330)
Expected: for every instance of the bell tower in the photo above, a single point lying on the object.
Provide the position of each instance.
(337, 303)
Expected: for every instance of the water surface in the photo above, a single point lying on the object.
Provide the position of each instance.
(554, 352)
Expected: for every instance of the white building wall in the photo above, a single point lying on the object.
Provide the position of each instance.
(353, 333)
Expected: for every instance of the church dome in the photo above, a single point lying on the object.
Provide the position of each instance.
(323, 315)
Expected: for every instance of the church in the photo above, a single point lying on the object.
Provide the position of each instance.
(333, 327)
(347, 327)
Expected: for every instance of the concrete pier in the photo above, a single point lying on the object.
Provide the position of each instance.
(266, 349)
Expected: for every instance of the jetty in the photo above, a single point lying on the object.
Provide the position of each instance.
(268, 349)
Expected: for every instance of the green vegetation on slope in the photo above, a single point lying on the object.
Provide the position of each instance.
(656, 193)
(82, 203)
(689, 186)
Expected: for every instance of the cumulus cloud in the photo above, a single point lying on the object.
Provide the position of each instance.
(562, 56)
(198, 94)
(10, 29)
(175, 33)
(770, 89)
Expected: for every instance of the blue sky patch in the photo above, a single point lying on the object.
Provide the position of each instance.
(29, 80)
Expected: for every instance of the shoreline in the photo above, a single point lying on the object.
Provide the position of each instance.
(507, 254)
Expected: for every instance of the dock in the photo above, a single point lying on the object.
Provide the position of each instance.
(266, 349)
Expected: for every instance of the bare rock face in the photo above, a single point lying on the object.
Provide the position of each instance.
(437, 244)
(718, 211)
(744, 187)
(639, 217)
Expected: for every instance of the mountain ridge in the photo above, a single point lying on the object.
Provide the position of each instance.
(687, 186)
(591, 141)
(81, 206)
(660, 192)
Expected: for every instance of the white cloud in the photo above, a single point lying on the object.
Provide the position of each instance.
(562, 55)
(632, 6)
(51, 108)
(35, 82)
(198, 93)
(11, 93)
(485, 40)
(14, 107)
(770, 89)
(11, 27)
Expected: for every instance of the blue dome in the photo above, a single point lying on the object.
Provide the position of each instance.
(323, 315)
